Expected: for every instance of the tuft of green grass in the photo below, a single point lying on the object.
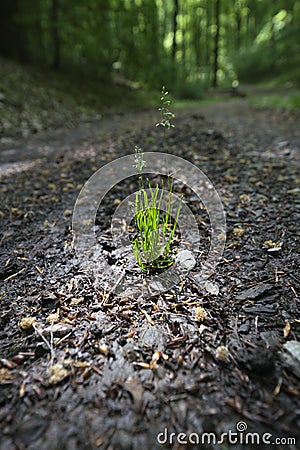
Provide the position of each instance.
(155, 227)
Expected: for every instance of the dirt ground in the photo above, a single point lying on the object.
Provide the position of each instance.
(83, 371)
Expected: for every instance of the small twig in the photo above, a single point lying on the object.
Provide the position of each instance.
(64, 338)
(96, 370)
(106, 297)
(277, 388)
(236, 329)
(250, 344)
(51, 343)
(148, 317)
(15, 274)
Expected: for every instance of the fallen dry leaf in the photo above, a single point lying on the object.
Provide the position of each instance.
(52, 318)
(75, 301)
(245, 198)
(103, 349)
(238, 231)
(27, 322)
(147, 317)
(57, 373)
(142, 365)
(272, 246)
(155, 359)
(76, 364)
(5, 375)
(287, 329)
(200, 314)
(222, 353)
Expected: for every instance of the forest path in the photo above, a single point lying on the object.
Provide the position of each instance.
(127, 369)
(236, 117)
(247, 123)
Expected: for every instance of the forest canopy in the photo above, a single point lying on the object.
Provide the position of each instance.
(181, 43)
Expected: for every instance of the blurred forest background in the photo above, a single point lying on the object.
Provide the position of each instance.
(100, 49)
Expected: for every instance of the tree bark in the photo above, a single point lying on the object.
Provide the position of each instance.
(216, 47)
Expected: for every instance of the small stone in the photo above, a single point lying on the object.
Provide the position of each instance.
(291, 356)
(58, 329)
(185, 259)
(212, 288)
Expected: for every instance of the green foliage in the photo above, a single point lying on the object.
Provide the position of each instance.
(288, 100)
(275, 54)
(148, 41)
(190, 91)
(256, 64)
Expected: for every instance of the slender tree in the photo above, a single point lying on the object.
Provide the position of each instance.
(197, 35)
(238, 21)
(175, 14)
(184, 33)
(216, 44)
(208, 36)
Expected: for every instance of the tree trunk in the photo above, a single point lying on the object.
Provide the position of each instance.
(216, 48)
(175, 14)
(252, 19)
(183, 39)
(55, 35)
(8, 44)
(238, 19)
(154, 34)
(208, 40)
(197, 39)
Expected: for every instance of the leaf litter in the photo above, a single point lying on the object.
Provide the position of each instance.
(85, 369)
